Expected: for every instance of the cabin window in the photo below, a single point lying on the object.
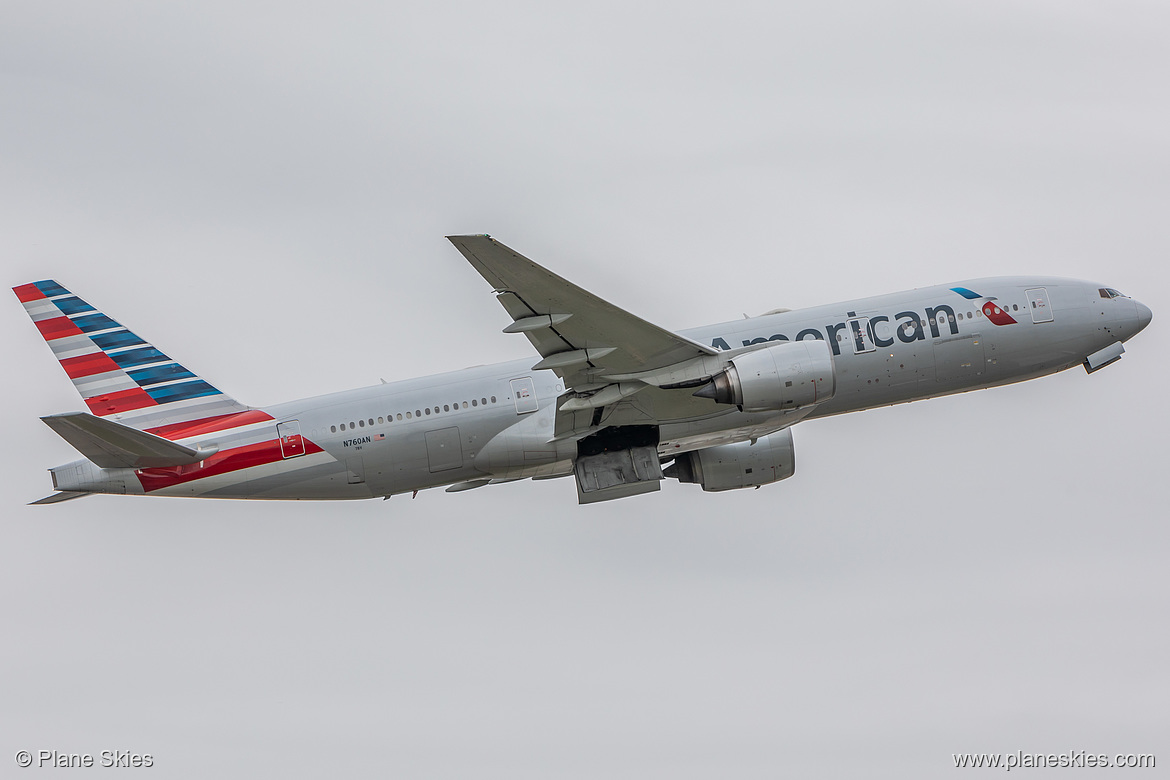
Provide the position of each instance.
(493, 399)
(333, 429)
(474, 402)
(361, 423)
(446, 408)
(379, 421)
(408, 415)
(436, 410)
(464, 404)
(428, 410)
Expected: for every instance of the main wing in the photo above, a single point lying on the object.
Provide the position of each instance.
(587, 341)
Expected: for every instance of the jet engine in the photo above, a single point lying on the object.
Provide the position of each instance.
(730, 466)
(783, 376)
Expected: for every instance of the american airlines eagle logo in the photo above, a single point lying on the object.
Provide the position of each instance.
(990, 309)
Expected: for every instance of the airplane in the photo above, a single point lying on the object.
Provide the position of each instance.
(614, 401)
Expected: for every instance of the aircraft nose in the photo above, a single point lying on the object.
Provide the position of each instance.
(1144, 315)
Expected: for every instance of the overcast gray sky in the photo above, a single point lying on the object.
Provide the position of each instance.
(262, 190)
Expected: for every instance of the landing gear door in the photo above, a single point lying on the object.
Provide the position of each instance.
(291, 443)
(1038, 305)
(524, 393)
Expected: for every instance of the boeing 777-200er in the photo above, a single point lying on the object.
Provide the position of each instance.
(610, 401)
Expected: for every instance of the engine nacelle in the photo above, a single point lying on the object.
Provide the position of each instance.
(783, 376)
(743, 465)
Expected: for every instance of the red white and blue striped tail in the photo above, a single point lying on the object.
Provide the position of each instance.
(119, 374)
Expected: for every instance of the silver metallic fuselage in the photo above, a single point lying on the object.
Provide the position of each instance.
(449, 440)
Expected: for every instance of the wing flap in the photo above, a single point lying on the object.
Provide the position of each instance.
(113, 446)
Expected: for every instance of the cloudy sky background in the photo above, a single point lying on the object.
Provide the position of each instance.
(262, 189)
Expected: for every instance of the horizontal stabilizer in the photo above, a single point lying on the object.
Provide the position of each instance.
(113, 446)
(57, 498)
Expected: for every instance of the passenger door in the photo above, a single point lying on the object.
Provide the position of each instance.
(860, 335)
(291, 443)
(1038, 305)
(524, 393)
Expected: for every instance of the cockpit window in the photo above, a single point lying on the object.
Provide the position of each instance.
(1109, 292)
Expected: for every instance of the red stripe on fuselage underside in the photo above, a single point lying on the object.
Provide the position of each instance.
(121, 401)
(88, 365)
(221, 422)
(28, 292)
(227, 461)
(57, 327)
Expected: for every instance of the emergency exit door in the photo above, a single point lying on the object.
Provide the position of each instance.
(860, 334)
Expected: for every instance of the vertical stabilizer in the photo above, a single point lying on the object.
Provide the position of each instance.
(119, 374)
